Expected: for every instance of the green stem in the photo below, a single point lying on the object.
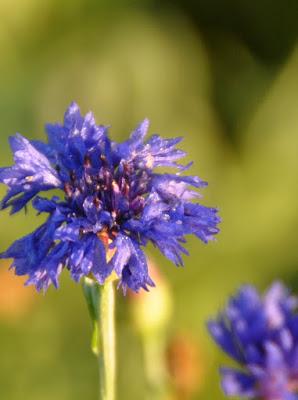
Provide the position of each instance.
(106, 342)
(101, 304)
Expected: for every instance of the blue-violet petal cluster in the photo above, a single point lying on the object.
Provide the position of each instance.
(113, 202)
(261, 334)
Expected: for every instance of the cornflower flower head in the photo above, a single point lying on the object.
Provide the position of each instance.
(261, 334)
(113, 202)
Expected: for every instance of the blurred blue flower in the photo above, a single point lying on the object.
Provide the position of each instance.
(113, 202)
(261, 334)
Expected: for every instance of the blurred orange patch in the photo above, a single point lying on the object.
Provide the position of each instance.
(15, 299)
(185, 365)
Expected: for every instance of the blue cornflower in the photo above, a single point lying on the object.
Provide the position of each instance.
(113, 202)
(260, 334)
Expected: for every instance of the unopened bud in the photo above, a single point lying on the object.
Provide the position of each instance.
(152, 311)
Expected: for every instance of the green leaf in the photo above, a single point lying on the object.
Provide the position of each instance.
(91, 291)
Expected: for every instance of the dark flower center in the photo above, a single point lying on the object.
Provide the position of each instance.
(117, 193)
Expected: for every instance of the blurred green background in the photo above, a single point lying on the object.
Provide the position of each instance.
(224, 74)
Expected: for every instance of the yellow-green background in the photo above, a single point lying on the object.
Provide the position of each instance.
(224, 74)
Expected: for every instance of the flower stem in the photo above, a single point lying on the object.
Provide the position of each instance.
(101, 304)
(106, 341)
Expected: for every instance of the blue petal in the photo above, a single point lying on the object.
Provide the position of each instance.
(31, 173)
(124, 250)
(224, 338)
(236, 383)
(135, 273)
(138, 135)
(72, 117)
